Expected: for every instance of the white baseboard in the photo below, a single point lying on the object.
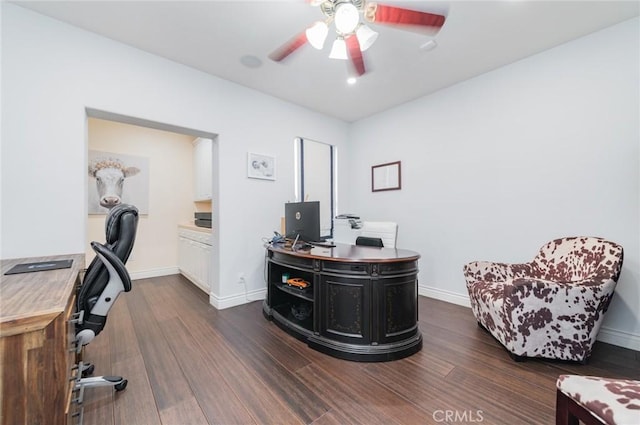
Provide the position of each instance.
(442, 295)
(607, 335)
(233, 300)
(144, 274)
(619, 338)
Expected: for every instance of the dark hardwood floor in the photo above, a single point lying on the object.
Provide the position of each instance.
(188, 363)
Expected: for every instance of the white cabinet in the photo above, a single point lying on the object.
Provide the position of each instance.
(203, 169)
(194, 257)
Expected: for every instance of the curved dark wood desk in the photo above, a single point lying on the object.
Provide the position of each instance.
(362, 303)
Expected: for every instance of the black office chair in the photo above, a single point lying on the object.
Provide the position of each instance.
(367, 241)
(105, 278)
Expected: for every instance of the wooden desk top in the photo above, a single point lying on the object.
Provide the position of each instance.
(30, 301)
(351, 253)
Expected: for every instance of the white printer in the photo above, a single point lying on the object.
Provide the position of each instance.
(346, 228)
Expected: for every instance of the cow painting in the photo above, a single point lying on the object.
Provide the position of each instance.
(118, 179)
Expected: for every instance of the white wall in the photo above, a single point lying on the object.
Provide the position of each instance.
(53, 71)
(498, 165)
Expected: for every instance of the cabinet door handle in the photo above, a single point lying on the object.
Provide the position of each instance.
(80, 398)
(79, 414)
(77, 368)
(77, 317)
(73, 346)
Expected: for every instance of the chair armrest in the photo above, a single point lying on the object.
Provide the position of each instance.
(579, 284)
(111, 261)
(119, 280)
(488, 271)
(593, 295)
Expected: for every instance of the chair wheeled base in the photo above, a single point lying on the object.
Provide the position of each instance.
(117, 382)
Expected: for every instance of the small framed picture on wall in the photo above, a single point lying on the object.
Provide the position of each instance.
(386, 177)
(261, 166)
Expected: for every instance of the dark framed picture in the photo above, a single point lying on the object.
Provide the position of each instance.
(386, 177)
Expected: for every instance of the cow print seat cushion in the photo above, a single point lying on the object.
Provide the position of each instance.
(611, 401)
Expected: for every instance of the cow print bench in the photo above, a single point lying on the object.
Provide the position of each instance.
(595, 400)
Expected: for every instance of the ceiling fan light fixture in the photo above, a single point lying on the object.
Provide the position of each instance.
(347, 18)
(339, 49)
(366, 37)
(317, 34)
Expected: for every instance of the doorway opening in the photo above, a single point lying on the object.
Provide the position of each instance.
(159, 162)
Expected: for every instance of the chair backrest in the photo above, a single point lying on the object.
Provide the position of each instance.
(385, 230)
(120, 229)
(573, 259)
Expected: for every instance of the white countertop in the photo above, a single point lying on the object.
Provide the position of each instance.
(191, 226)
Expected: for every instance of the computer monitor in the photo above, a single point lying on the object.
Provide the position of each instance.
(302, 220)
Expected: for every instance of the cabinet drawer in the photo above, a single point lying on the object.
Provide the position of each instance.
(202, 237)
(398, 268)
(305, 263)
(361, 269)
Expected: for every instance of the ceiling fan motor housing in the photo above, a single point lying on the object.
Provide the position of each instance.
(329, 7)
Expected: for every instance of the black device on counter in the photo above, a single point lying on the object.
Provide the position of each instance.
(202, 219)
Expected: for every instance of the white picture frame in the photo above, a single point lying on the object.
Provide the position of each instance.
(261, 166)
(134, 190)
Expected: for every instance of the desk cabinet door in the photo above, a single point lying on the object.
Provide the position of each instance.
(398, 313)
(345, 312)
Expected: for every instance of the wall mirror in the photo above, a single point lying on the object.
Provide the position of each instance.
(316, 177)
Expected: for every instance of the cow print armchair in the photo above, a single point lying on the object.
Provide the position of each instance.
(551, 307)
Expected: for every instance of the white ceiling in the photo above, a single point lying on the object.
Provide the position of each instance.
(212, 36)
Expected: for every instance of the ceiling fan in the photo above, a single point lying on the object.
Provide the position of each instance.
(352, 36)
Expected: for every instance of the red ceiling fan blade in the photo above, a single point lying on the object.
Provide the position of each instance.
(289, 47)
(353, 48)
(382, 14)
